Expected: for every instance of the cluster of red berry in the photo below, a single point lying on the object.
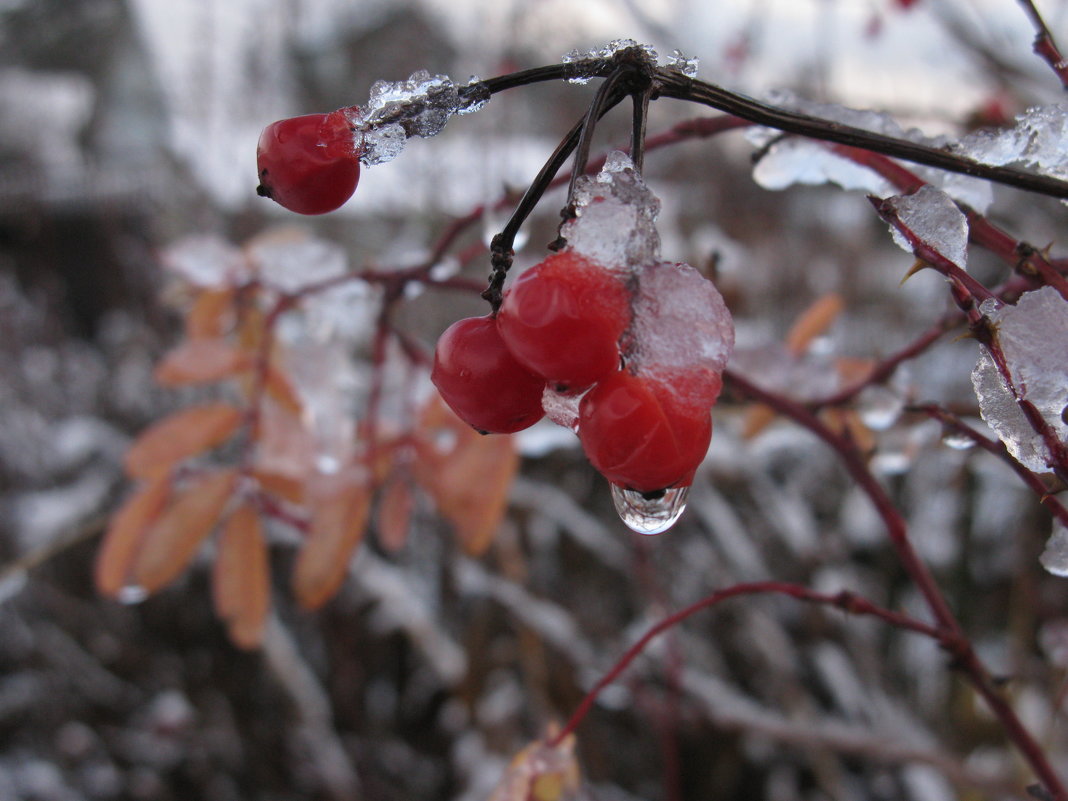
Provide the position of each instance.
(569, 325)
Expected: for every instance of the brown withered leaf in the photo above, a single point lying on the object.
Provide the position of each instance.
(241, 580)
(281, 486)
(280, 389)
(541, 772)
(339, 510)
(395, 504)
(211, 314)
(813, 322)
(466, 473)
(172, 540)
(179, 436)
(201, 361)
(125, 534)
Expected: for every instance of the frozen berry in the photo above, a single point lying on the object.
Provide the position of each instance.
(482, 382)
(563, 318)
(308, 164)
(637, 434)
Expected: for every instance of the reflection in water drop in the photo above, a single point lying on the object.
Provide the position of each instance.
(132, 594)
(879, 407)
(650, 515)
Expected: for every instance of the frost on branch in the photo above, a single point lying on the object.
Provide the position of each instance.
(934, 219)
(587, 62)
(418, 106)
(1033, 336)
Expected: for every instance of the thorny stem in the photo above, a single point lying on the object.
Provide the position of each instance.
(950, 635)
(846, 601)
(1044, 45)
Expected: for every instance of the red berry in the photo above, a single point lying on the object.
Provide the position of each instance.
(639, 436)
(308, 164)
(563, 319)
(482, 382)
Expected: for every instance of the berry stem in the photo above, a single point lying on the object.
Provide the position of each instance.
(640, 119)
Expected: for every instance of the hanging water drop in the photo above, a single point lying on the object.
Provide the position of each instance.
(650, 515)
(879, 407)
(131, 594)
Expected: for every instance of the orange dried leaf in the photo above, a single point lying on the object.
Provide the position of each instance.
(541, 772)
(814, 320)
(281, 390)
(470, 479)
(181, 435)
(125, 533)
(210, 314)
(172, 540)
(241, 580)
(757, 417)
(395, 504)
(200, 361)
(339, 507)
(281, 486)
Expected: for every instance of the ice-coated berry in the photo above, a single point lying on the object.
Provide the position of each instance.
(563, 319)
(308, 164)
(482, 382)
(638, 436)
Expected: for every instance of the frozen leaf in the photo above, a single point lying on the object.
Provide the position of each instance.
(802, 161)
(241, 580)
(199, 361)
(467, 474)
(207, 261)
(1033, 336)
(541, 772)
(180, 436)
(173, 539)
(126, 533)
(935, 220)
(395, 504)
(339, 509)
(1039, 139)
(615, 217)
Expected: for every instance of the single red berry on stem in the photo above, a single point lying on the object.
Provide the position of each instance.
(639, 436)
(563, 319)
(308, 164)
(482, 382)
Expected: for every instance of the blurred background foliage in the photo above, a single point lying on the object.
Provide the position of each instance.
(125, 125)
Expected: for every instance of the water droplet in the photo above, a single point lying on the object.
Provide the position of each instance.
(879, 407)
(957, 440)
(132, 594)
(650, 515)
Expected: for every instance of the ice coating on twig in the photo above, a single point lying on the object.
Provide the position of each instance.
(1033, 336)
(679, 62)
(1055, 556)
(787, 160)
(615, 216)
(1039, 140)
(587, 61)
(932, 216)
(419, 106)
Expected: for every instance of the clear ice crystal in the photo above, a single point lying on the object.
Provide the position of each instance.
(586, 62)
(1033, 336)
(1039, 139)
(879, 407)
(680, 63)
(419, 106)
(653, 515)
(615, 222)
(562, 409)
(1055, 556)
(933, 217)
